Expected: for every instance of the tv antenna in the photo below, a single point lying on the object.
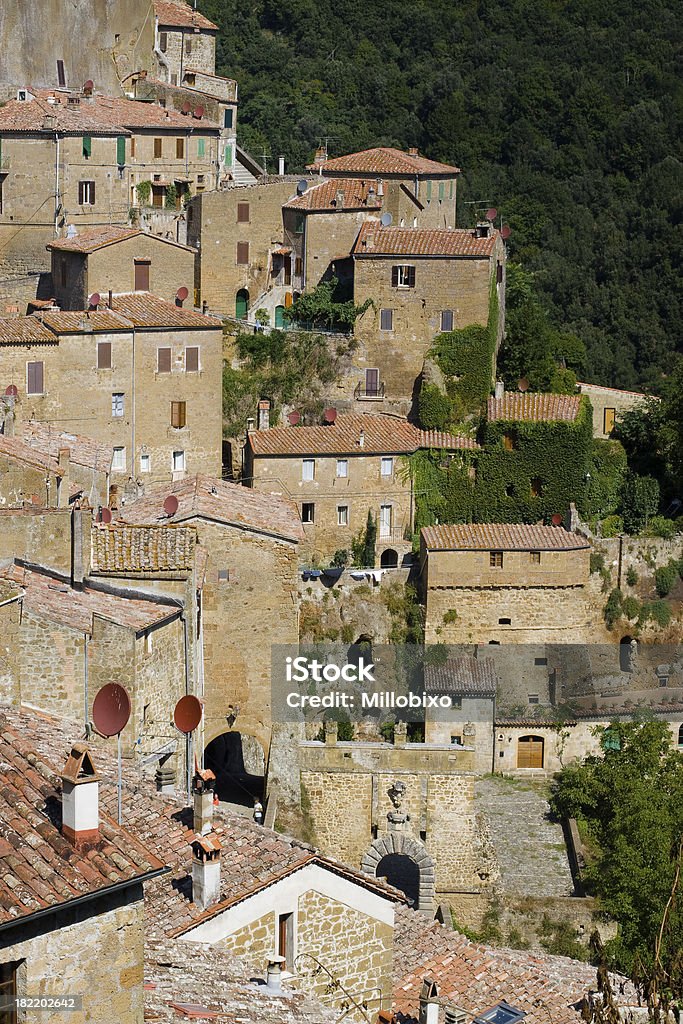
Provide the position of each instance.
(187, 715)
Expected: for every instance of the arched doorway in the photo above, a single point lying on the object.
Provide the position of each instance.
(279, 317)
(242, 304)
(390, 851)
(628, 652)
(530, 750)
(238, 762)
(388, 559)
(403, 873)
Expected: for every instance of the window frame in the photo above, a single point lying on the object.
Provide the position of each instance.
(119, 455)
(308, 512)
(534, 557)
(243, 208)
(102, 348)
(192, 369)
(178, 456)
(345, 474)
(608, 413)
(87, 193)
(180, 147)
(403, 276)
(307, 464)
(178, 415)
(158, 148)
(160, 349)
(145, 457)
(118, 404)
(342, 516)
(35, 393)
(496, 559)
(447, 313)
(383, 461)
(242, 253)
(382, 315)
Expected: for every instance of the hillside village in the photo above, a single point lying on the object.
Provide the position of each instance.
(246, 414)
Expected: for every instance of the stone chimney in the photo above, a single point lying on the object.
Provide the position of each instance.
(500, 389)
(80, 798)
(64, 459)
(274, 971)
(280, 165)
(320, 157)
(339, 199)
(429, 1002)
(203, 785)
(206, 870)
(413, 151)
(264, 414)
(331, 729)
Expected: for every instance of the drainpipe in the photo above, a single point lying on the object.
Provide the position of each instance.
(85, 680)
(188, 689)
(133, 462)
(57, 203)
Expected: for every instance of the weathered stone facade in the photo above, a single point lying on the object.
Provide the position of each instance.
(609, 403)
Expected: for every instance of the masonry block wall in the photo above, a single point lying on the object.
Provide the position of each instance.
(329, 239)
(10, 617)
(41, 536)
(21, 483)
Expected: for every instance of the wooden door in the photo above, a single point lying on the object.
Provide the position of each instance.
(372, 383)
(530, 752)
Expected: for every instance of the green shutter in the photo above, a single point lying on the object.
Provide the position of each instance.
(121, 150)
(227, 156)
(450, 191)
(201, 143)
(429, 190)
(87, 146)
(442, 189)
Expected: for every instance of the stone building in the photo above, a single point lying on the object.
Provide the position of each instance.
(72, 882)
(28, 476)
(504, 583)
(118, 259)
(141, 375)
(185, 41)
(421, 282)
(340, 471)
(608, 404)
(85, 462)
(471, 683)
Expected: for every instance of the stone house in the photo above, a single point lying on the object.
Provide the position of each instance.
(339, 471)
(84, 462)
(147, 376)
(118, 259)
(504, 584)
(471, 683)
(185, 41)
(28, 476)
(608, 404)
(421, 282)
(72, 882)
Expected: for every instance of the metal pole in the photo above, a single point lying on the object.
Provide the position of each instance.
(120, 784)
(188, 754)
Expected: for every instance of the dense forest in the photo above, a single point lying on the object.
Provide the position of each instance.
(564, 115)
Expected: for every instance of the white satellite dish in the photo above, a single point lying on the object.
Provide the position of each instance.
(385, 220)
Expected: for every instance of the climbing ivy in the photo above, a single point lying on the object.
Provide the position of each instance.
(466, 356)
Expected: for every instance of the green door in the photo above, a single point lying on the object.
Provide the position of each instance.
(242, 304)
(280, 316)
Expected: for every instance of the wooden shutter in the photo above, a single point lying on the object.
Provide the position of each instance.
(120, 150)
(35, 379)
(163, 360)
(163, 41)
(157, 148)
(192, 359)
(394, 277)
(104, 355)
(242, 253)
(243, 213)
(411, 277)
(180, 148)
(178, 414)
(142, 279)
(87, 146)
(201, 143)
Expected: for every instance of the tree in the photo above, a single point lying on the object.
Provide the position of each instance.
(639, 501)
(322, 308)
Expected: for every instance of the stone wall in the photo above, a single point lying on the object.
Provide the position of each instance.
(185, 49)
(256, 941)
(20, 482)
(10, 617)
(41, 536)
(612, 399)
(17, 292)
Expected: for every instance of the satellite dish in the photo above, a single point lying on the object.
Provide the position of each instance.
(71, 231)
(491, 213)
(11, 391)
(187, 714)
(294, 418)
(94, 300)
(171, 505)
(505, 231)
(557, 519)
(111, 710)
(523, 384)
(385, 220)
(186, 107)
(302, 186)
(105, 515)
(198, 112)
(330, 415)
(182, 293)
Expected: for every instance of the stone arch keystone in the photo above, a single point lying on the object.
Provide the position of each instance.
(405, 846)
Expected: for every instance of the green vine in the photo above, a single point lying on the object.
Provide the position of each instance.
(466, 358)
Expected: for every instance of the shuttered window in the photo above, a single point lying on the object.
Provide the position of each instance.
(192, 359)
(228, 117)
(243, 213)
(132, 146)
(446, 319)
(178, 415)
(163, 41)
(386, 319)
(242, 253)
(403, 277)
(201, 147)
(120, 150)
(34, 378)
(142, 276)
(87, 147)
(157, 149)
(86, 193)
(442, 189)
(163, 360)
(104, 355)
(429, 190)
(179, 148)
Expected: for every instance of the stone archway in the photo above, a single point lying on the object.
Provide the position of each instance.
(398, 843)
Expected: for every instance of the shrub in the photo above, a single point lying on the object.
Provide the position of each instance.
(450, 616)
(143, 191)
(658, 611)
(262, 316)
(171, 200)
(612, 611)
(347, 632)
(631, 576)
(434, 408)
(639, 501)
(661, 527)
(612, 526)
(341, 559)
(597, 561)
(630, 606)
(665, 577)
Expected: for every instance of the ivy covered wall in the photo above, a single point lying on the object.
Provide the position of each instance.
(467, 358)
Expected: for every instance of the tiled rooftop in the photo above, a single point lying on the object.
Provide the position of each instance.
(25, 330)
(54, 599)
(128, 309)
(476, 977)
(180, 15)
(47, 440)
(108, 234)
(324, 196)
(38, 867)
(18, 451)
(384, 160)
(501, 537)
(381, 435)
(462, 674)
(375, 240)
(119, 548)
(533, 407)
(210, 498)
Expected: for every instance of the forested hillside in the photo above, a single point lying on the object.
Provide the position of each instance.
(566, 116)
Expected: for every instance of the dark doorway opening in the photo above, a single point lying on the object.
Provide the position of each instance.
(238, 763)
(389, 559)
(401, 872)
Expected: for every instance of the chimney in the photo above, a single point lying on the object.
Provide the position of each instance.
(500, 389)
(320, 156)
(274, 973)
(81, 541)
(454, 1015)
(339, 199)
(361, 439)
(264, 414)
(80, 798)
(371, 196)
(413, 151)
(64, 459)
(110, 298)
(280, 165)
(429, 1002)
(206, 870)
(203, 785)
(483, 229)
(380, 187)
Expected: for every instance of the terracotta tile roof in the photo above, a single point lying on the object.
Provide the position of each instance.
(209, 498)
(501, 537)
(54, 599)
(118, 548)
(97, 238)
(462, 674)
(24, 330)
(384, 160)
(375, 240)
(145, 310)
(18, 451)
(84, 451)
(40, 869)
(78, 321)
(477, 977)
(324, 196)
(180, 15)
(381, 435)
(534, 407)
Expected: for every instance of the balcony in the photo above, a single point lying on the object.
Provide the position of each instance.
(400, 534)
(364, 394)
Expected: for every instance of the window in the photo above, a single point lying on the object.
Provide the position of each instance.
(178, 462)
(86, 193)
(403, 277)
(179, 149)
(308, 512)
(163, 360)
(188, 46)
(227, 156)
(117, 402)
(201, 147)
(456, 741)
(533, 698)
(178, 412)
(34, 378)
(157, 149)
(118, 462)
(298, 266)
(442, 190)
(499, 273)
(535, 557)
(192, 359)
(450, 190)
(120, 150)
(104, 355)
(386, 319)
(342, 515)
(680, 736)
(142, 275)
(540, 661)
(243, 213)
(505, 622)
(132, 146)
(163, 41)
(242, 254)
(387, 466)
(145, 463)
(342, 467)
(608, 420)
(308, 469)
(536, 487)
(87, 147)
(429, 191)
(372, 383)
(285, 940)
(228, 117)
(446, 319)
(386, 513)
(503, 1013)
(61, 74)
(62, 272)
(496, 559)
(9, 990)
(223, 575)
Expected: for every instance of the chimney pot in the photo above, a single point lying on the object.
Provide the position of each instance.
(281, 165)
(413, 151)
(203, 792)
(320, 156)
(274, 973)
(264, 414)
(339, 199)
(500, 389)
(80, 798)
(206, 870)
